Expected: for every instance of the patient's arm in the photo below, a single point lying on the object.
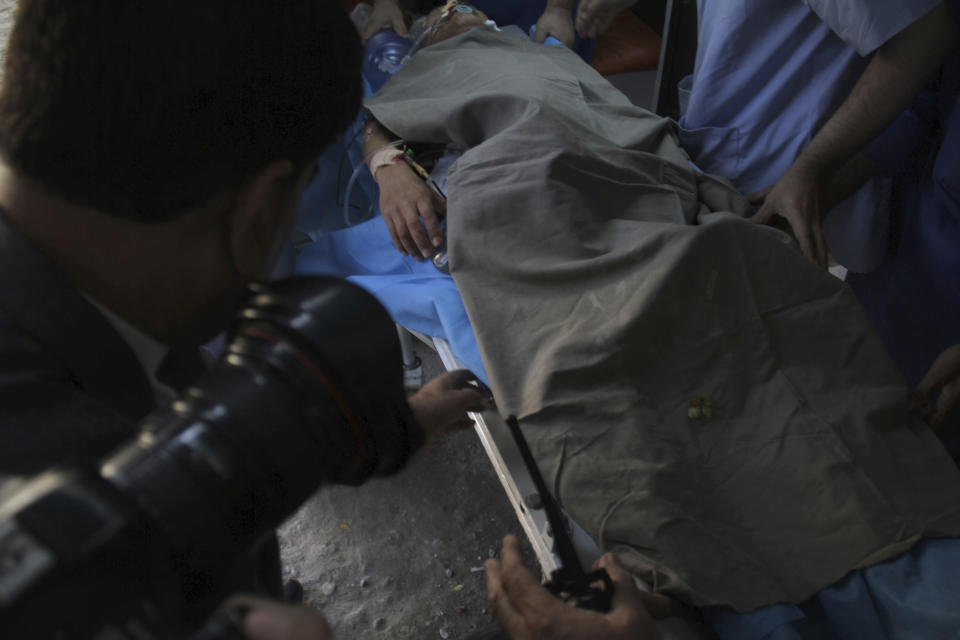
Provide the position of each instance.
(406, 202)
(889, 84)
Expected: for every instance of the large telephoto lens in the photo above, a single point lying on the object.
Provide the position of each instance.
(310, 390)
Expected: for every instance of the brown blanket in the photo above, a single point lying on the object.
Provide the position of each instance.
(606, 297)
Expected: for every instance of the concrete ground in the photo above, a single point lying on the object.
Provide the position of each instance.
(401, 557)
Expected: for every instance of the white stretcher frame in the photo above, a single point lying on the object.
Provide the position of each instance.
(507, 464)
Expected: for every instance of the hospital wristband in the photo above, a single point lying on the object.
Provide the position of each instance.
(385, 158)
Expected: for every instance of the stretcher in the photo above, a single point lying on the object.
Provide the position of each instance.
(492, 431)
(384, 274)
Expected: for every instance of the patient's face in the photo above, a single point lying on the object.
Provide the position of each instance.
(451, 20)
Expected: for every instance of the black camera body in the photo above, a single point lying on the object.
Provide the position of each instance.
(309, 391)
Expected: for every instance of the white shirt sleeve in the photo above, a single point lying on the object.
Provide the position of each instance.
(868, 24)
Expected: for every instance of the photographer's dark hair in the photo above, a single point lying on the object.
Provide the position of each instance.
(145, 109)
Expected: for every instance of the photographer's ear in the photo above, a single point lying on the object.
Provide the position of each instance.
(263, 211)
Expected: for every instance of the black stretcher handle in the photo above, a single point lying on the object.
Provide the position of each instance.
(570, 582)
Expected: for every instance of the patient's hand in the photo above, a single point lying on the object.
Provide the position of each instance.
(556, 22)
(442, 404)
(528, 611)
(404, 200)
(386, 15)
(797, 197)
(945, 376)
(594, 16)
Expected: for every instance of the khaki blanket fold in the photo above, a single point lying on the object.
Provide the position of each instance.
(609, 292)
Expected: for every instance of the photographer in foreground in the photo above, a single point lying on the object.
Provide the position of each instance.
(153, 156)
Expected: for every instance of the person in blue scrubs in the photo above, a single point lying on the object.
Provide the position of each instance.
(913, 299)
(913, 295)
(896, 72)
(768, 75)
(551, 17)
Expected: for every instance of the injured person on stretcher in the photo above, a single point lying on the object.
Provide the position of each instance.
(613, 289)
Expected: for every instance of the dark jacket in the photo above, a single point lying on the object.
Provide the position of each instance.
(71, 390)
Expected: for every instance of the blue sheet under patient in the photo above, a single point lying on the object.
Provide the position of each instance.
(417, 295)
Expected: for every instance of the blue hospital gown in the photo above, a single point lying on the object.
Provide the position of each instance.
(768, 74)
